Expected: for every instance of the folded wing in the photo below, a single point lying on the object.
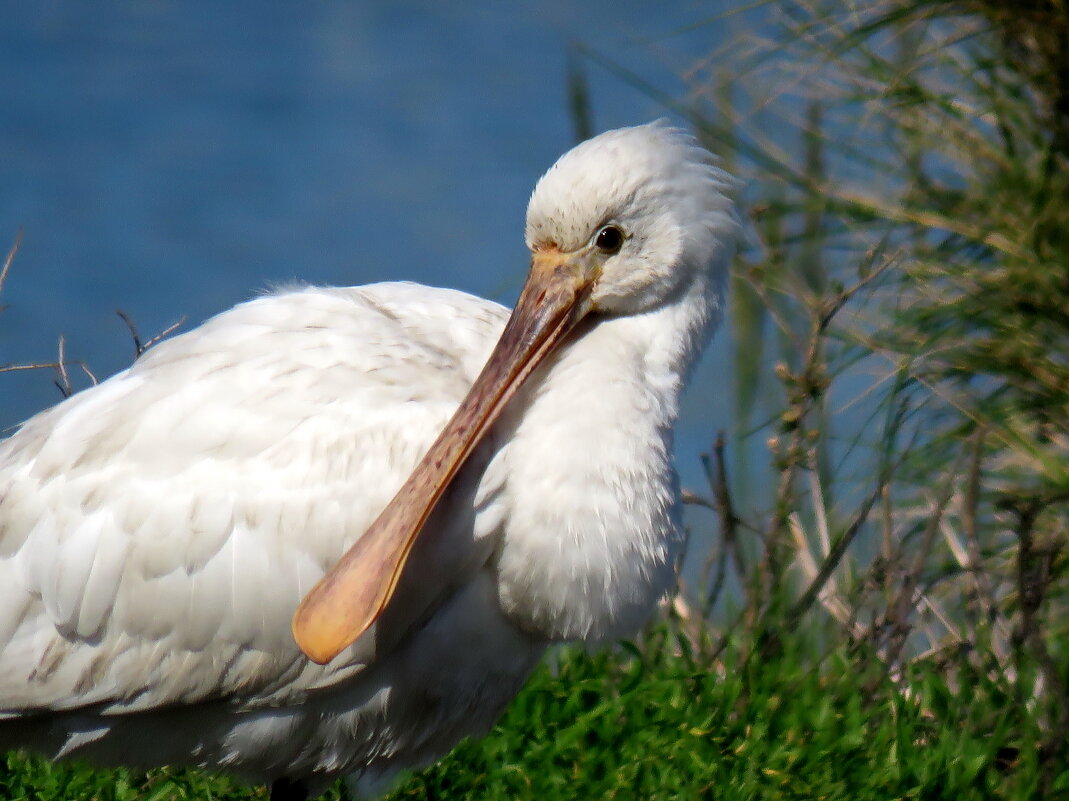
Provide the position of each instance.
(157, 531)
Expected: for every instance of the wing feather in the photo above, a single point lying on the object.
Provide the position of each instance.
(158, 530)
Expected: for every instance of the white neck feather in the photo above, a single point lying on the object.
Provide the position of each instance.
(590, 543)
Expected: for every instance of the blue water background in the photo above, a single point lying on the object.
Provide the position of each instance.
(173, 158)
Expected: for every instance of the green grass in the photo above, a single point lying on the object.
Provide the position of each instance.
(659, 722)
(665, 726)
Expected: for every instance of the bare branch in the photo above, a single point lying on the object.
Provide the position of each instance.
(80, 364)
(138, 349)
(820, 510)
(835, 555)
(828, 595)
(64, 380)
(166, 332)
(139, 346)
(729, 523)
(10, 258)
(691, 498)
(898, 610)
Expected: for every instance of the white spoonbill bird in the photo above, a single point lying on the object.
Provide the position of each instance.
(449, 488)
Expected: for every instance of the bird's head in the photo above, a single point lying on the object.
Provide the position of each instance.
(637, 213)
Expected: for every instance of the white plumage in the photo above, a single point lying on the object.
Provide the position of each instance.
(158, 531)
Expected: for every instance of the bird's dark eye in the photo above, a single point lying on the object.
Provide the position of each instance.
(609, 239)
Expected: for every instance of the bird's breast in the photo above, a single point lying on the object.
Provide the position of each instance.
(586, 497)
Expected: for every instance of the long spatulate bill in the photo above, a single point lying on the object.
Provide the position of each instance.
(349, 598)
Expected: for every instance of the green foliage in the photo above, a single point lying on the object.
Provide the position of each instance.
(901, 322)
(667, 720)
(665, 724)
(913, 256)
(35, 779)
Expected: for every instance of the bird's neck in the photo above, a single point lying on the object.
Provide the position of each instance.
(671, 338)
(592, 525)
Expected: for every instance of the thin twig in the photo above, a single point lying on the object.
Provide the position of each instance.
(138, 349)
(898, 610)
(828, 595)
(64, 381)
(729, 520)
(984, 593)
(81, 365)
(835, 555)
(820, 510)
(716, 471)
(10, 258)
(166, 332)
(139, 346)
(887, 530)
(811, 378)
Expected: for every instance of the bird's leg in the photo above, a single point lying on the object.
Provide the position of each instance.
(288, 790)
